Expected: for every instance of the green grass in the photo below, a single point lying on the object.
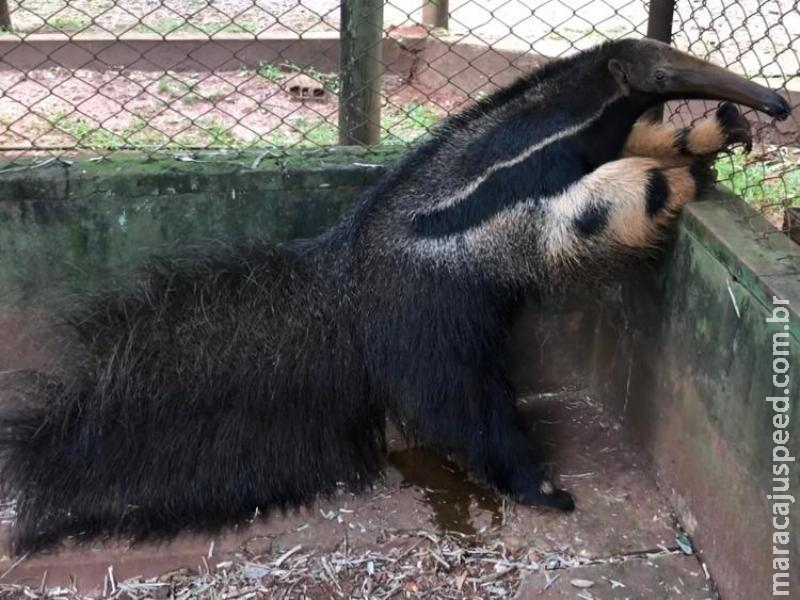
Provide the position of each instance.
(169, 86)
(765, 182)
(83, 132)
(271, 72)
(68, 23)
(166, 26)
(220, 135)
(139, 135)
(315, 133)
(279, 73)
(86, 134)
(406, 123)
(187, 91)
(399, 125)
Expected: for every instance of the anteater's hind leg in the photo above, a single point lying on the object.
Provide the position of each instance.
(682, 146)
(504, 457)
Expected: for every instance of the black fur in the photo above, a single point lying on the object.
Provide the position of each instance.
(736, 128)
(503, 189)
(728, 116)
(681, 141)
(657, 192)
(703, 174)
(221, 383)
(592, 220)
(260, 376)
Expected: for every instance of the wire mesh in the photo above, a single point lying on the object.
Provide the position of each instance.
(95, 76)
(759, 39)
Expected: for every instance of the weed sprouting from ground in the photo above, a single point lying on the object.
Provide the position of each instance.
(406, 123)
(768, 179)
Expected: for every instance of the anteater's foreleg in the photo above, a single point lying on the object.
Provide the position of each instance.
(616, 211)
(470, 414)
(682, 146)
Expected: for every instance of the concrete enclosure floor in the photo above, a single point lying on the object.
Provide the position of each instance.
(425, 531)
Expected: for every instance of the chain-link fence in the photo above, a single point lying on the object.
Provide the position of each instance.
(759, 39)
(275, 75)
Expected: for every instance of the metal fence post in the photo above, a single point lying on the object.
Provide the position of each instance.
(360, 72)
(436, 14)
(659, 27)
(5, 16)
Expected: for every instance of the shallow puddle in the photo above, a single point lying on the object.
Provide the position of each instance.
(447, 490)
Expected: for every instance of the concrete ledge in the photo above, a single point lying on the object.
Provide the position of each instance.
(71, 226)
(758, 256)
(222, 52)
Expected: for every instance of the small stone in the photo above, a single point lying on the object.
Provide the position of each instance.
(258, 546)
(513, 543)
(255, 571)
(581, 584)
(684, 543)
(552, 562)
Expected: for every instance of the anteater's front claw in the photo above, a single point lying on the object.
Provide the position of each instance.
(735, 126)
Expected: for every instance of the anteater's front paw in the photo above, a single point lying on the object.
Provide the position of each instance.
(714, 134)
(735, 128)
(535, 490)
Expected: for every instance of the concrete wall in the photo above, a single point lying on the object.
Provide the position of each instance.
(68, 228)
(679, 347)
(684, 354)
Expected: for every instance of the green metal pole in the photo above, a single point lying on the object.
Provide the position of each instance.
(436, 14)
(361, 68)
(659, 27)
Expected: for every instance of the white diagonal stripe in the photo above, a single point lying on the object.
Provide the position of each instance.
(467, 190)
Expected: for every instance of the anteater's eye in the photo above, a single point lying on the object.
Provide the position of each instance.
(660, 75)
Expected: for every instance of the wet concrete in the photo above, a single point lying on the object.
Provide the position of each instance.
(620, 513)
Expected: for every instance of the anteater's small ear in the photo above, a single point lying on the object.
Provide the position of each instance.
(620, 73)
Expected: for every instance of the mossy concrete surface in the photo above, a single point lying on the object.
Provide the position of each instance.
(79, 225)
(70, 226)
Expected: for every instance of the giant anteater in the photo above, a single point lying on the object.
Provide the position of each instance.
(261, 375)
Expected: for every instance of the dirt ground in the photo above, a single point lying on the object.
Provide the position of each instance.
(427, 531)
(57, 108)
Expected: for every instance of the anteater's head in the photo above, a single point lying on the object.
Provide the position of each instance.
(658, 72)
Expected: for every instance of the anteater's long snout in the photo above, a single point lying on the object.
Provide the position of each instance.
(694, 78)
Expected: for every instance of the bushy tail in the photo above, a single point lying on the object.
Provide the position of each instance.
(218, 384)
(28, 403)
